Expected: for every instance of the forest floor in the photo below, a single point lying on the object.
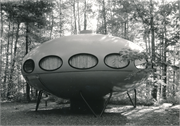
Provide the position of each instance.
(53, 114)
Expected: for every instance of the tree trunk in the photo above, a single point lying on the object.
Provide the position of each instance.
(52, 25)
(7, 63)
(13, 61)
(152, 32)
(122, 26)
(1, 60)
(112, 3)
(165, 58)
(174, 77)
(85, 20)
(145, 40)
(179, 8)
(3, 95)
(74, 13)
(104, 17)
(12, 45)
(149, 44)
(153, 46)
(27, 85)
(12, 86)
(60, 21)
(72, 25)
(79, 25)
(125, 30)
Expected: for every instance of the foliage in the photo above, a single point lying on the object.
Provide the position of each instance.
(23, 19)
(132, 55)
(144, 96)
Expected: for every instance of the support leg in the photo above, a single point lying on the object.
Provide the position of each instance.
(46, 101)
(39, 99)
(134, 104)
(130, 99)
(106, 103)
(87, 104)
(90, 106)
(135, 98)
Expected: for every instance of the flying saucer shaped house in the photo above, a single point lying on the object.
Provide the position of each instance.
(83, 65)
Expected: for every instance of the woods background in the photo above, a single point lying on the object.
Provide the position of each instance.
(152, 24)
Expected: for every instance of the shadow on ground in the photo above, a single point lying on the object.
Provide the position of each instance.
(24, 114)
(165, 114)
(53, 114)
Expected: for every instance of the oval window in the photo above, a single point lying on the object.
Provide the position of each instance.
(83, 61)
(28, 66)
(50, 63)
(140, 64)
(115, 61)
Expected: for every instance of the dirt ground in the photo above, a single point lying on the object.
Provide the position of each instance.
(53, 114)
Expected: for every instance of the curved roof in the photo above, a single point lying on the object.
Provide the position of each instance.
(87, 43)
(65, 47)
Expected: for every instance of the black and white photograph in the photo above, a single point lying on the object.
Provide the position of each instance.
(90, 62)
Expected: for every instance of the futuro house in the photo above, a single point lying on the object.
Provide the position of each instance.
(83, 67)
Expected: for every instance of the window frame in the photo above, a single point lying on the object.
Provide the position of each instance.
(97, 61)
(47, 57)
(128, 62)
(26, 62)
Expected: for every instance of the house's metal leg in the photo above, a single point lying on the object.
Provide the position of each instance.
(46, 101)
(106, 103)
(90, 106)
(130, 99)
(87, 104)
(39, 99)
(134, 104)
(135, 98)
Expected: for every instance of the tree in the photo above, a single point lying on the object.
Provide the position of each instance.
(79, 24)
(85, 17)
(29, 13)
(74, 14)
(1, 47)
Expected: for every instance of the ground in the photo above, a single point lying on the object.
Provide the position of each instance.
(53, 114)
